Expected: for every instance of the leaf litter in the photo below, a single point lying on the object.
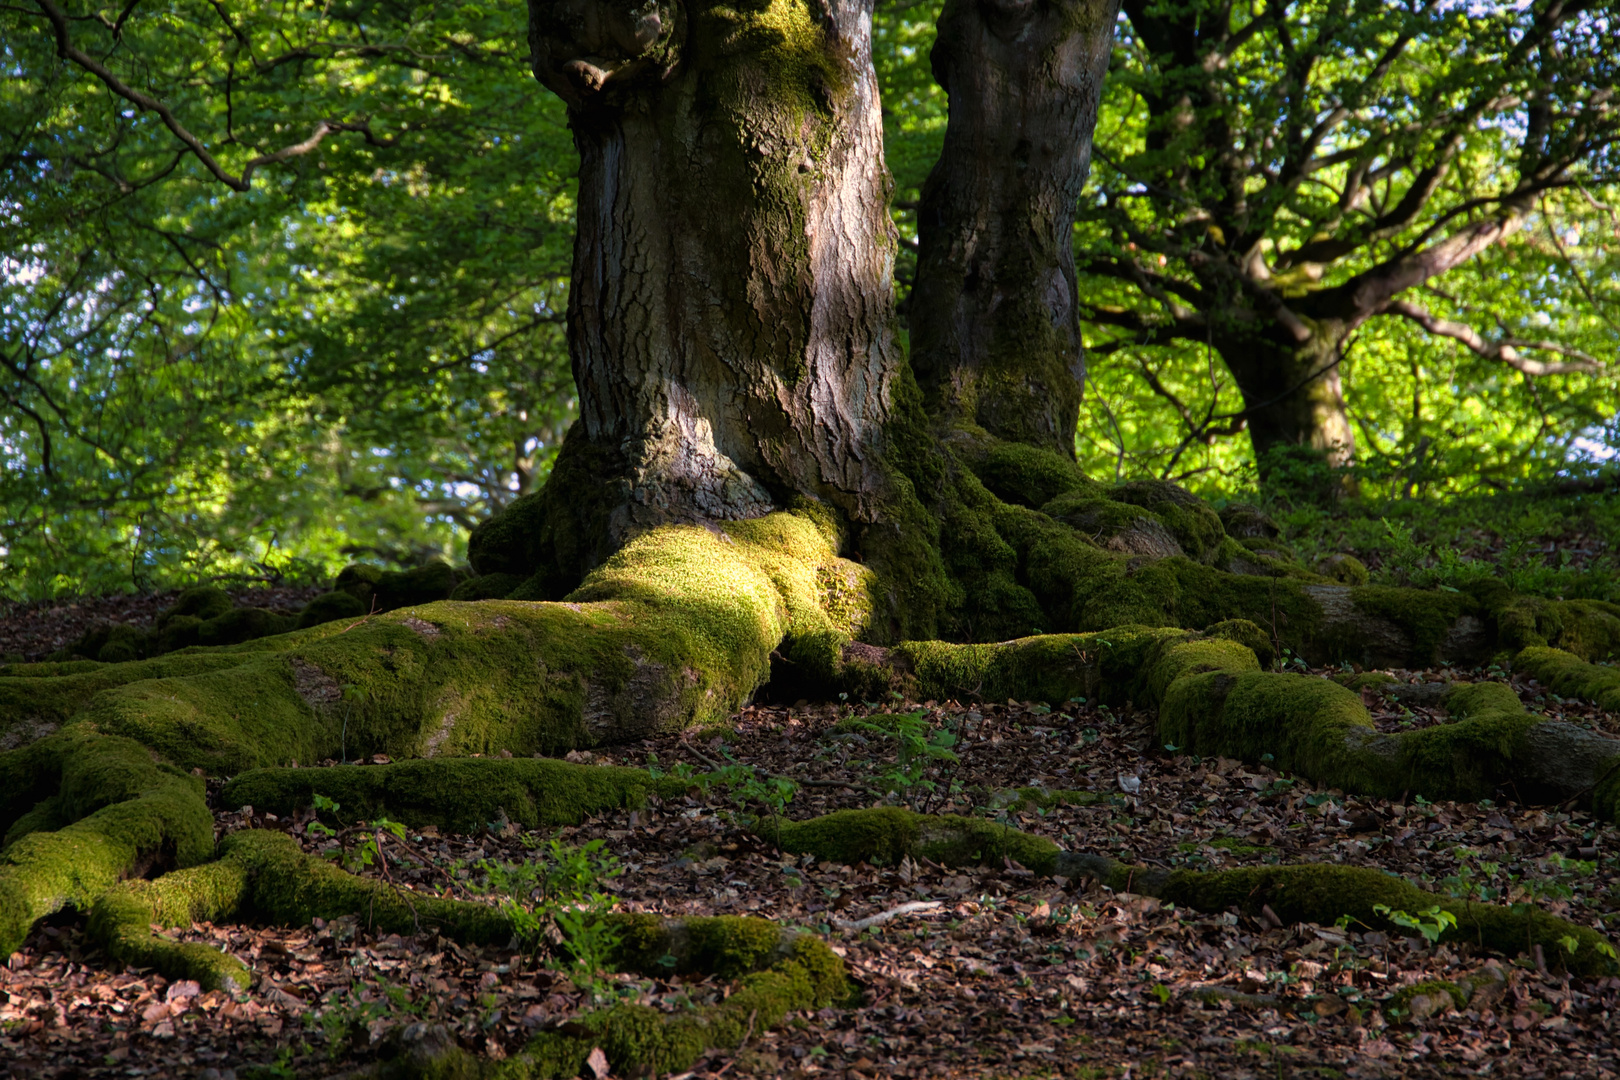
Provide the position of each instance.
(987, 972)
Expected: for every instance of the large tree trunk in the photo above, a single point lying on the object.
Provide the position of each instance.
(995, 336)
(1289, 378)
(730, 319)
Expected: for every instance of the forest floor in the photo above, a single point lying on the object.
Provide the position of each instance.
(1010, 976)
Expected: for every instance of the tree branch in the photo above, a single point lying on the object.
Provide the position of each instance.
(68, 51)
(1506, 350)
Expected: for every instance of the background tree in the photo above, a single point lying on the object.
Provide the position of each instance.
(1274, 179)
(354, 344)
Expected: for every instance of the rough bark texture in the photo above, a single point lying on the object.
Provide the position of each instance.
(1288, 373)
(730, 318)
(995, 333)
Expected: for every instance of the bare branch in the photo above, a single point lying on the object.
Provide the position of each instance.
(1507, 350)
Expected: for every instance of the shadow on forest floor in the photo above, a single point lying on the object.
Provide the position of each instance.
(1009, 976)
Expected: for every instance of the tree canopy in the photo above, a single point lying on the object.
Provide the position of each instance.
(361, 354)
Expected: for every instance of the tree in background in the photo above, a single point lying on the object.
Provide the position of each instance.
(280, 284)
(1276, 181)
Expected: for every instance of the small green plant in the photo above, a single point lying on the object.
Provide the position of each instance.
(1430, 922)
(919, 746)
(559, 904)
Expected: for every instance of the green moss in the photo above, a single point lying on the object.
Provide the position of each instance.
(1247, 634)
(328, 606)
(1244, 521)
(1181, 659)
(1366, 680)
(487, 587)
(388, 590)
(33, 704)
(458, 794)
(884, 835)
(1427, 617)
(243, 624)
(1195, 526)
(290, 888)
(204, 602)
(1434, 989)
(1301, 721)
(1590, 629)
(180, 632)
(117, 811)
(122, 918)
(1030, 476)
(1035, 798)
(1569, 676)
(1479, 699)
(1322, 894)
(1345, 569)
(778, 974)
(1321, 730)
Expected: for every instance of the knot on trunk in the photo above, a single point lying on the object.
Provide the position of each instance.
(581, 48)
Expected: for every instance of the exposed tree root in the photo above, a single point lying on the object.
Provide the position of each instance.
(458, 794)
(264, 874)
(83, 811)
(1570, 676)
(1310, 893)
(779, 972)
(680, 626)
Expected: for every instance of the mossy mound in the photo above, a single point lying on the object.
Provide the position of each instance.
(1312, 893)
(329, 606)
(487, 587)
(884, 835)
(380, 590)
(457, 794)
(1569, 676)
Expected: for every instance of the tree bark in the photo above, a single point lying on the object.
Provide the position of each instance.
(731, 315)
(1289, 377)
(995, 332)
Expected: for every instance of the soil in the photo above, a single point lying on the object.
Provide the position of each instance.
(1010, 976)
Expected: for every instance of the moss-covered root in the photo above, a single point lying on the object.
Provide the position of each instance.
(1568, 675)
(264, 874)
(36, 699)
(289, 888)
(780, 972)
(886, 834)
(1324, 894)
(458, 794)
(122, 919)
(116, 814)
(677, 627)
(1311, 893)
(1321, 730)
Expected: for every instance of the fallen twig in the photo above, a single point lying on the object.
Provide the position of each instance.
(914, 907)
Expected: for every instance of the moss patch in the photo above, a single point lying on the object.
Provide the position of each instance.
(459, 794)
(1569, 676)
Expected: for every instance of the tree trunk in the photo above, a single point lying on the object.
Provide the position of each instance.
(1289, 378)
(730, 318)
(995, 335)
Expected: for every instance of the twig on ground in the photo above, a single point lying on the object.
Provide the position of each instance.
(914, 907)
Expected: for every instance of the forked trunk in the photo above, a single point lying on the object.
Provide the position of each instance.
(995, 335)
(730, 318)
